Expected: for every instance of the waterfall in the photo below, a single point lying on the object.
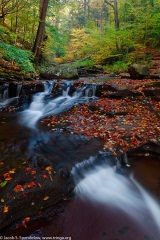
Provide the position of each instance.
(5, 95)
(65, 92)
(19, 87)
(103, 185)
(40, 108)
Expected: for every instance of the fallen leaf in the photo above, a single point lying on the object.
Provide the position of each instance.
(18, 188)
(8, 179)
(6, 175)
(17, 226)
(2, 184)
(45, 176)
(46, 198)
(28, 169)
(30, 185)
(1, 163)
(11, 172)
(2, 200)
(48, 168)
(5, 209)
(25, 221)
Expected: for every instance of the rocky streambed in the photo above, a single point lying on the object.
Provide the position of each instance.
(66, 123)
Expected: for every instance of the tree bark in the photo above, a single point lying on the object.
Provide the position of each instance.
(116, 14)
(115, 8)
(41, 29)
(85, 12)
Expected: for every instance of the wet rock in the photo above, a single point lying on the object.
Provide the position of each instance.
(12, 90)
(82, 72)
(112, 59)
(123, 94)
(103, 87)
(66, 71)
(155, 76)
(125, 75)
(45, 193)
(138, 71)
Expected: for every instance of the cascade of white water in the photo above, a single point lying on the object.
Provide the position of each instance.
(103, 185)
(40, 108)
(5, 95)
(19, 87)
(65, 92)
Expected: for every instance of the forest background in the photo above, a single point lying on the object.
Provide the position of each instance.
(87, 32)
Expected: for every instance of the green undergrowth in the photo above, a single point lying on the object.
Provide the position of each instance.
(11, 50)
(117, 67)
(84, 63)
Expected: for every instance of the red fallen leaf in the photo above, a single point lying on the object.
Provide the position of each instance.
(24, 195)
(6, 175)
(40, 212)
(28, 169)
(25, 221)
(30, 185)
(45, 176)
(18, 188)
(1, 163)
(5, 209)
(17, 226)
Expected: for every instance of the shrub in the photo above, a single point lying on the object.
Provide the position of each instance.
(22, 57)
(116, 67)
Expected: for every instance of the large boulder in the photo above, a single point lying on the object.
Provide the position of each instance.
(63, 71)
(138, 71)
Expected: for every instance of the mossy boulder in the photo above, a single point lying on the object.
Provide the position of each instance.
(63, 71)
(138, 71)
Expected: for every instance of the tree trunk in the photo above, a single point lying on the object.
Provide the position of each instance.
(115, 8)
(116, 18)
(101, 16)
(41, 29)
(85, 12)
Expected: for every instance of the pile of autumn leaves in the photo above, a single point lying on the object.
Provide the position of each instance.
(121, 132)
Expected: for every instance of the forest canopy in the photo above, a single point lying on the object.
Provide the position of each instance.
(67, 31)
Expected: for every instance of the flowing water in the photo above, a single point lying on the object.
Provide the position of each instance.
(102, 184)
(41, 107)
(106, 201)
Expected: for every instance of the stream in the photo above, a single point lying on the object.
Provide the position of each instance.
(108, 203)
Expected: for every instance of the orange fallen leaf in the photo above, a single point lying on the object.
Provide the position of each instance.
(5, 209)
(33, 172)
(18, 188)
(46, 198)
(48, 168)
(31, 185)
(1, 163)
(8, 178)
(11, 172)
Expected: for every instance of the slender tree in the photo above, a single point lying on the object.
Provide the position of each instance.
(41, 29)
(114, 5)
